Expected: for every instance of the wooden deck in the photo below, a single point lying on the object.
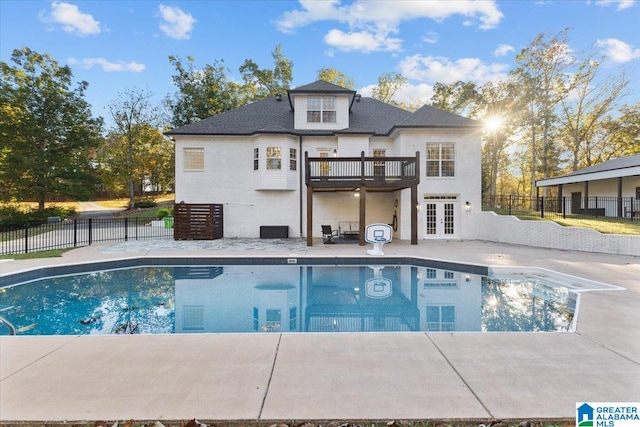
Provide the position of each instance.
(390, 173)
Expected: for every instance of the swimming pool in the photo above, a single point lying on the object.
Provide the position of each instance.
(281, 295)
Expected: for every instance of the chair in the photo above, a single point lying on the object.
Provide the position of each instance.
(328, 234)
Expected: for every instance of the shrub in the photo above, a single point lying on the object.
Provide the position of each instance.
(146, 203)
(163, 212)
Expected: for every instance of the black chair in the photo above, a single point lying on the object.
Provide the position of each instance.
(328, 234)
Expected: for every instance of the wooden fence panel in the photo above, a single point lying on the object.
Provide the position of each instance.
(198, 221)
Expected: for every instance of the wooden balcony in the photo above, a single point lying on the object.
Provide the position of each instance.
(374, 173)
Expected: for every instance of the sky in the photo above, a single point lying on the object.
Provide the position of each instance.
(120, 45)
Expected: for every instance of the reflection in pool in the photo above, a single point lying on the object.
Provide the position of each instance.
(283, 298)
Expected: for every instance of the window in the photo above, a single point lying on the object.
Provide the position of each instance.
(321, 110)
(441, 318)
(193, 159)
(293, 159)
(637, 192)
(256, 158)
(274, 158)
(441, 160)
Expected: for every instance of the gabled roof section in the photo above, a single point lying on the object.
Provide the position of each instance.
(427, 116)
(367, 116)
(615, 168)
(321, 87)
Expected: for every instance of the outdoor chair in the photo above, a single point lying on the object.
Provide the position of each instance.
(328, 234)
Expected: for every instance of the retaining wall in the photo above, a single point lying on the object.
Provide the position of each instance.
(548, 234)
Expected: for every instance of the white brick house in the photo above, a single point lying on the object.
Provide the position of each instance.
(323, 155)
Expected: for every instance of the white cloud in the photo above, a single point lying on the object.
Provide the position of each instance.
(72, 19)
(377, 19)
(622, 4)
(176, 23)
(431, 37)
(108, 66)
(443, 70)
(409, 95)
(362, 41)
(503, 50)
(619, 51)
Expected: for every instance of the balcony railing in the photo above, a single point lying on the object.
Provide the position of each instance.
(362, 171)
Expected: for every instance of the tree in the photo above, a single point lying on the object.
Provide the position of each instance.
(47, 131)
(582, 113)
(622, 134)
(336, 77)
(262, 83)
(388, 85)
(201, 92)
(456, 97)
(133, 117)
(496, 107)
(541, 67)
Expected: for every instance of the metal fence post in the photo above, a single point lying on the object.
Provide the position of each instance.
(126, 229)
(75, 232)
(90, 230)
(542, 207)
(26, 239)
(564, 212)
(509, 204)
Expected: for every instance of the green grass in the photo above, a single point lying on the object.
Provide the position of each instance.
(34, 255)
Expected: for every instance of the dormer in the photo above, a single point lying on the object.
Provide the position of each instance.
(321, 106)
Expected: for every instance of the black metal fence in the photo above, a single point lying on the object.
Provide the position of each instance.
(613, 208)
(82, 232)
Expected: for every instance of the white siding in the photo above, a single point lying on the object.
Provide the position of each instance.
(300, 114)
(228, 179)
(353, 145)
(466, 184)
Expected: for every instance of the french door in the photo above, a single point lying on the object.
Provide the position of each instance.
(441, 217)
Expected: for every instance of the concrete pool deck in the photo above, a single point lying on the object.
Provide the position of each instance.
(324, 376)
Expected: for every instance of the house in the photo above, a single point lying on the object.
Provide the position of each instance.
(322, 154)
(610, 188)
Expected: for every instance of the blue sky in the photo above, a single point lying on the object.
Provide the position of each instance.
(116, 45)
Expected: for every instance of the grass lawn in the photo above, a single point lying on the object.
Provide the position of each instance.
(603, 225)
(32, 255)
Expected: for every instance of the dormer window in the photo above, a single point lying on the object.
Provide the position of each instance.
(321, 109)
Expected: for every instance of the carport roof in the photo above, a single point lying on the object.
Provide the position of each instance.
(616, 168)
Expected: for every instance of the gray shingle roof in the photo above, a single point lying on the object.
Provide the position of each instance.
(619, 163)
(367, 116)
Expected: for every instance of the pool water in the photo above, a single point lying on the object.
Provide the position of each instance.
(283, 298)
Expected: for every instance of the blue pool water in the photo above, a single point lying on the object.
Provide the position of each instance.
(282, 298)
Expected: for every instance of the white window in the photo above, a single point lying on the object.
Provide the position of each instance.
(293, 159)
(256, 158)
(441, 318)
(441, 159)
(321, 110)
(274, 158)
(193, 159)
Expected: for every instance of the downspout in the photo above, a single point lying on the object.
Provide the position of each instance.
(300, 178)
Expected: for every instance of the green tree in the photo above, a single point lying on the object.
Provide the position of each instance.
(388, 85)
(622, 134)
(458, 97)
(201, 92)
(583, 112)
(47, 132)
(336, 77)
(541, 67)
(133, 117)
(260, 83)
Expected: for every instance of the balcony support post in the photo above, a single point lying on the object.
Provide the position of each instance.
(309, 215)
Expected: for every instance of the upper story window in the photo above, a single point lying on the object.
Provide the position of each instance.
(193, 159)
(321, 110)
(293, 159)
(441, 160)
(256, 158)
(274, 158)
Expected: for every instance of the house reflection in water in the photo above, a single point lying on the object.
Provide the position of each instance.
(285, 298)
